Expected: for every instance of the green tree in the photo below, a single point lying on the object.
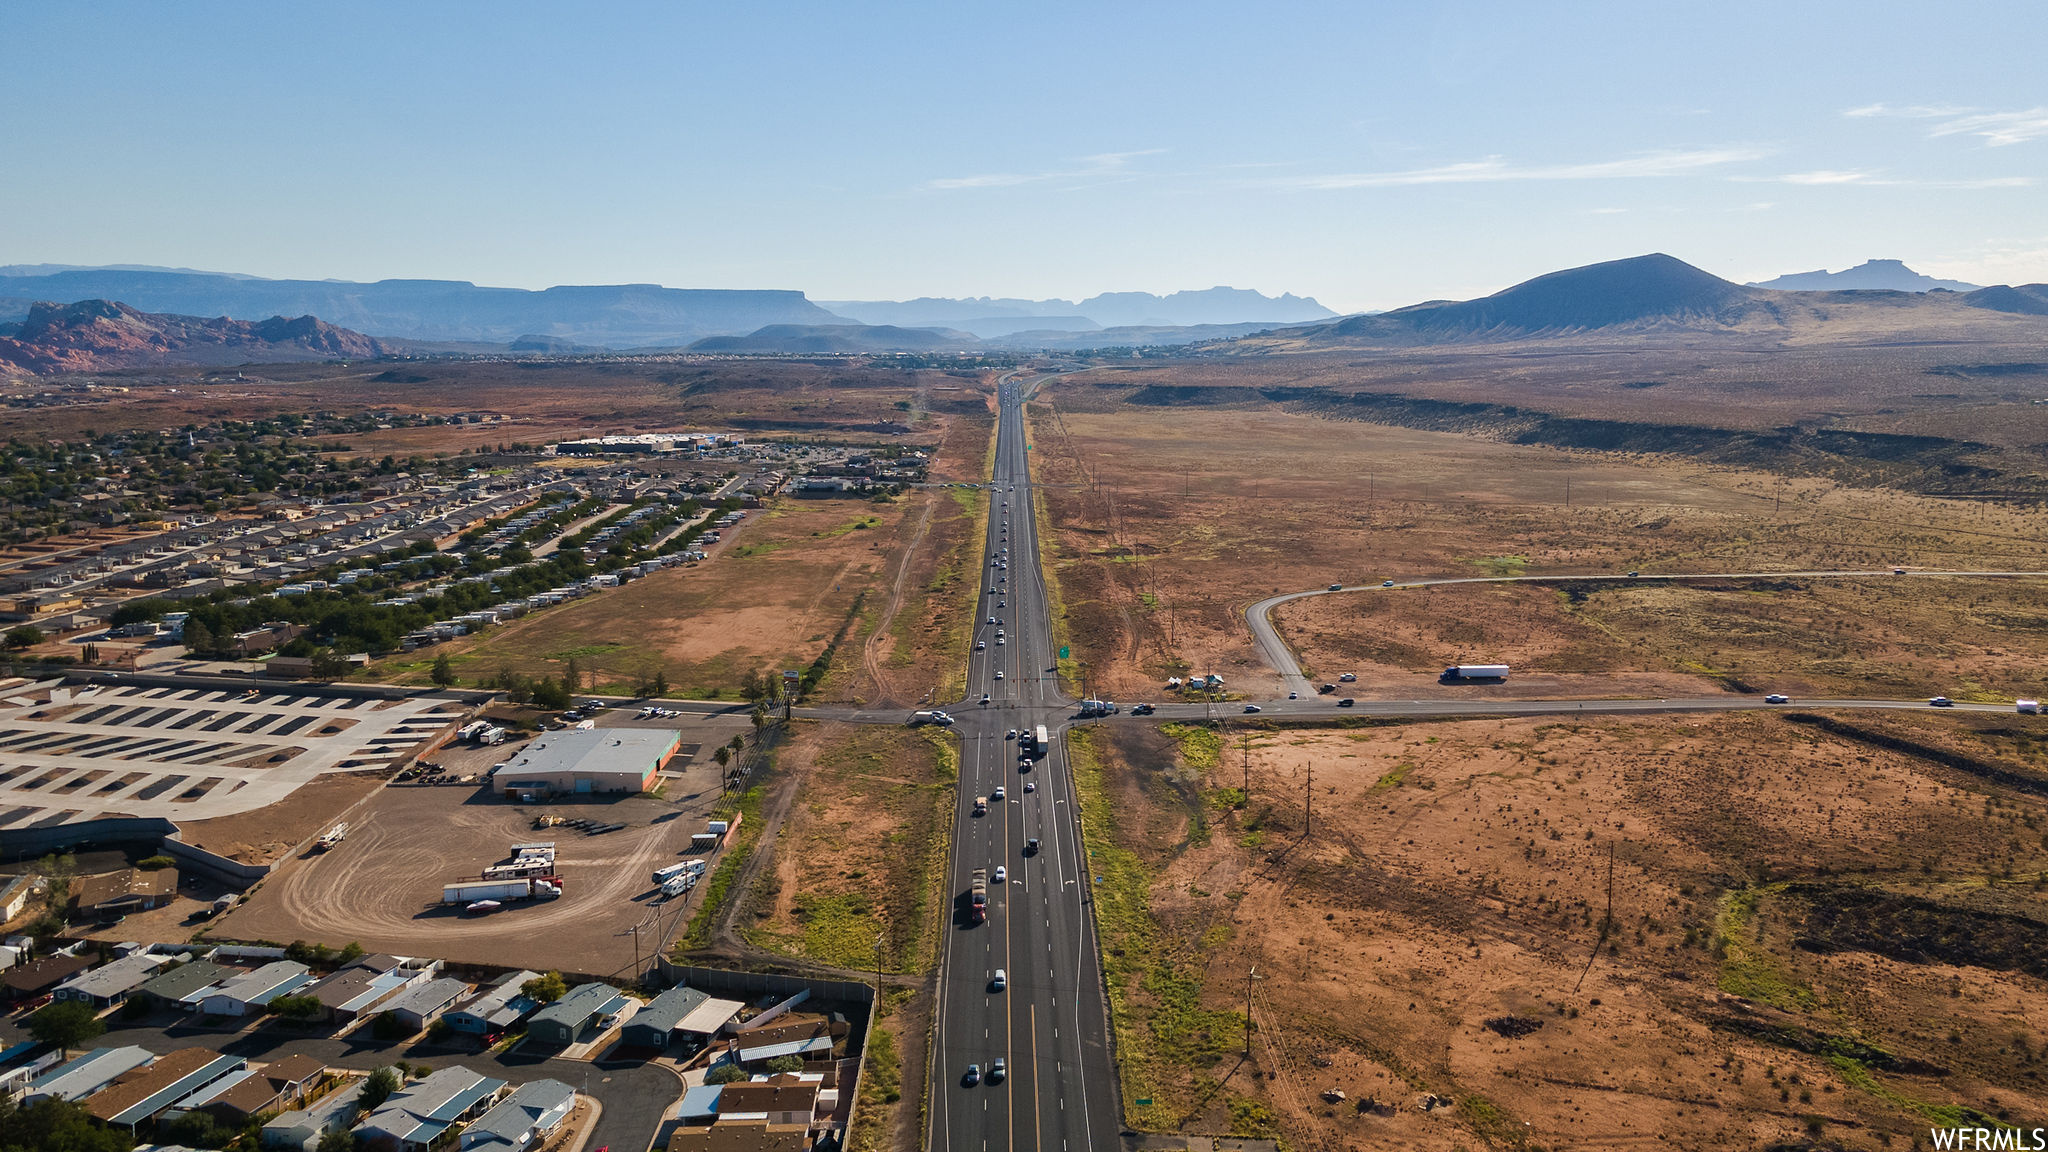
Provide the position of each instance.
(26, 636)
(723, 755)
(377, 1088)
(725, 1074)
(572, 676)
(549, 695)
(444, 671)
(198, 637)
(660, 683)
(351, 952)
(298, 1008)
(55, 1126)
(336, 1140)
(790, 1063)
(66, 1023)
(329, 665)
(546, 988)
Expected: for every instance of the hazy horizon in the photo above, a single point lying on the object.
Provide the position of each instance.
(1365, 158)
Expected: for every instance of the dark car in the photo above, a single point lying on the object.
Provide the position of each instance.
(1325, 689)
(1142, 710)
(1031, 846)
(1345, 702)
(973, 1075)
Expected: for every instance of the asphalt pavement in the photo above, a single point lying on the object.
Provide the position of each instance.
(1051, 1024)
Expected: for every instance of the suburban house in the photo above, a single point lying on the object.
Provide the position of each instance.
(496, 1008)
(417, 1115)
(250, 994)
(84, 1075)
(112, 982)
(421, 1005)
(140, 1096)
(171, 988)
(533, 1112)
(559, 1023)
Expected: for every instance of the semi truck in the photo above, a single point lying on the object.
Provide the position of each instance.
(1091, 708)
(977, 895)
(934, 716)
(1476, 672)
(524, 888)
(2030, 706)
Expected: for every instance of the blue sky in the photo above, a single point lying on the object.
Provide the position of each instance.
(1368, 154)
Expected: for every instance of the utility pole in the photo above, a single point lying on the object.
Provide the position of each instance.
(1250, 976)
(1567, 491)
(1308, 799)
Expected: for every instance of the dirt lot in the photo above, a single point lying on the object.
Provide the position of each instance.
(1169, 522)
(381, 887)
(862, 854)
(1884, 636)
(266, 834)
(1811, 930)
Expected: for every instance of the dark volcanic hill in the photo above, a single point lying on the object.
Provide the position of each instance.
(613, 315)
(1641, 292)
(814, 339)
(99, 335)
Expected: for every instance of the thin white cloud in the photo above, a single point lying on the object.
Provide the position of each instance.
(1999, 129)
(1096, 167)
(1497, 170)
(1833, 177)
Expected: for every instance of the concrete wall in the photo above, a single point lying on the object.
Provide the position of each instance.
(29, 843)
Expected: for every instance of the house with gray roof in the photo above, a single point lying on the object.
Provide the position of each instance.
(112, 982)
(417, 1115)
(172, 987)
(558, 1023)
(652, 1025)
(86, 1074)
(533, 1112)
(496, 1008)
(251, 993)
(420, 1006)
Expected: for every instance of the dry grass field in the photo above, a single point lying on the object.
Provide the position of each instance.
(775, 592)
(1882, 636)
(1812, 934)
(1168, 522)
(858, 866)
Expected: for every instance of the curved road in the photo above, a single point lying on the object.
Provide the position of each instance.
(1281, 658)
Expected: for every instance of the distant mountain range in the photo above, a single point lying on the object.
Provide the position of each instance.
(617, 316)
(99, 335)
(1884, 275)
(610, 315)
(1660, 294)
(987, 316)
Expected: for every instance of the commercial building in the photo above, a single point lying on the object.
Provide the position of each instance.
(588, 760)
(533, 1112)
(129, 890)
(559, 1023)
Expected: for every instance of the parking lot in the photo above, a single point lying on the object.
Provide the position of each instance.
(382, 886)
(194, 753)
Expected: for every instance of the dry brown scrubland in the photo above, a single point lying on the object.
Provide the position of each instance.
(1811, 934)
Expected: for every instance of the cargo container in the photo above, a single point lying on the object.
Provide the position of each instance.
(1476, 672)
(526, 888)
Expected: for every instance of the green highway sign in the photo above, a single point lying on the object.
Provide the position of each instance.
(1063, 651)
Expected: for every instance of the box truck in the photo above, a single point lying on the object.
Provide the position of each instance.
(1476, 672)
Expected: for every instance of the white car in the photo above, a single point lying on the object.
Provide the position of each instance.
(991, 619)
(980, 645)
(1002, 874)
(1031, 785)
(997, 794)
(999, 674)
(1774, 698)
(1010, 735)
